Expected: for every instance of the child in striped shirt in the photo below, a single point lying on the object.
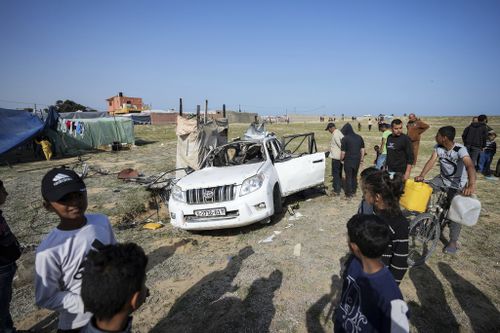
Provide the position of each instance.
(383, 190)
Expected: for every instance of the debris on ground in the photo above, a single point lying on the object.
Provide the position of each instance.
(268, 239)
(128, 173)
(295, 216)
(153, 225)
(296, 250)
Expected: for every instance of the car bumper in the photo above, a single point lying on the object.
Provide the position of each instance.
(241, 211)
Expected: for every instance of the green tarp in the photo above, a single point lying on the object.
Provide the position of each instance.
(78, 135)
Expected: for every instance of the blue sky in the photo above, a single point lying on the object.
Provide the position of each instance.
(316, 57)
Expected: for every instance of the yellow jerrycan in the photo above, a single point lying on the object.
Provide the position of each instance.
(416, 196)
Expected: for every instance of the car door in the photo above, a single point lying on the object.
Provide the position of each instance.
(300, 172)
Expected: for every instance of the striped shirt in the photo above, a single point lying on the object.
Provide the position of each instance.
(491, 146)
(396, 255)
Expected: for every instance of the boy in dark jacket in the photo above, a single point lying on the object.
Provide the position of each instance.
(114, 286)
(371, 300)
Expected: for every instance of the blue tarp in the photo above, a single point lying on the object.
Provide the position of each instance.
(17, 127)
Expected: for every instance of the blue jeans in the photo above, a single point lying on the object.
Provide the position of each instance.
(7, 273)
(485, 159)
(381, 161)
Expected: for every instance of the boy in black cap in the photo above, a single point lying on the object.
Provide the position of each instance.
(60, 256)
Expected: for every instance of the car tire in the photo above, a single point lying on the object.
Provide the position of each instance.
(277, 200)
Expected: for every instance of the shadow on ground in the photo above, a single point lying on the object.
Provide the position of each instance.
(211, 306)
(482, 313)
(430, 292)
(161, 254)
(316, 318)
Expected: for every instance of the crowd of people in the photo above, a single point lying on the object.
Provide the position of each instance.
(95, 284)
(378, 233)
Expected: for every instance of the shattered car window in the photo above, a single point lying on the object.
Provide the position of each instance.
(236, 153)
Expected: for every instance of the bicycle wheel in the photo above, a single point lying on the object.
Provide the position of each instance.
(422, 239)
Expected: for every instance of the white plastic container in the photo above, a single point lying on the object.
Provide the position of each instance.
(465, 210)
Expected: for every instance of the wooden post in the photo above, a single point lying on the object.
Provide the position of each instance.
(223, 110)
(198, 108)
(206, 110)
(180, 107)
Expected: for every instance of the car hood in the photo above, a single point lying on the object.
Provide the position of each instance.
(217, 176)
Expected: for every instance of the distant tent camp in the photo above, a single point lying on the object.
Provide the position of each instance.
(194, 140)
(70, 133)
(17, 127)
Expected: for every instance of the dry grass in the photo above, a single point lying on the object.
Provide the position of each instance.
(203, 275)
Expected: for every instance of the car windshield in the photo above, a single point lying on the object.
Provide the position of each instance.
(236, 153)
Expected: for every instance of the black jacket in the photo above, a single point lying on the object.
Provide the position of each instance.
(351, 144)
(10, 250)
(475, 135)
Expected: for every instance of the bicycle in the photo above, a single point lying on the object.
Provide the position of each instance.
(425, 229)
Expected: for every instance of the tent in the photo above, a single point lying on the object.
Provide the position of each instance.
(194, 140)
(73, 136)
(17, 127)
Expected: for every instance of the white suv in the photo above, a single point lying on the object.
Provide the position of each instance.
(243, 182)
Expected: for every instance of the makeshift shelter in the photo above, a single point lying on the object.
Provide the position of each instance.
(194, 140)
(73, 136)
(17, 127)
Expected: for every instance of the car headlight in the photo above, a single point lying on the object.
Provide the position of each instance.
(251, 184)
(178, 194)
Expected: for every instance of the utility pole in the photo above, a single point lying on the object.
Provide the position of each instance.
(206, 110)
(180, 106)
(198, 108)
(223, 110)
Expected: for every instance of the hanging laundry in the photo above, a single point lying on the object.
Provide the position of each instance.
(78, 127)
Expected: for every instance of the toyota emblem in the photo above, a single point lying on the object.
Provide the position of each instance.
(208, 194)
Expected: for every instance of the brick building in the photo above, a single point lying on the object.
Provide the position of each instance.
(124, 104)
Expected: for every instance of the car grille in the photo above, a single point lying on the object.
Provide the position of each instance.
(211, 194)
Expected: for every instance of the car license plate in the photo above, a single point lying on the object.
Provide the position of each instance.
(210, 212)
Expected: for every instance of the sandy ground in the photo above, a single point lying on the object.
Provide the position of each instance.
(222, 281)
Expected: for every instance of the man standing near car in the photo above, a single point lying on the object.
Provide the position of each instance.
(335, 144)
(399, 150)
(352, 154)
(415, 127)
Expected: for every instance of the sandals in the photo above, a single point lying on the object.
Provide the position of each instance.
(450, 250)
